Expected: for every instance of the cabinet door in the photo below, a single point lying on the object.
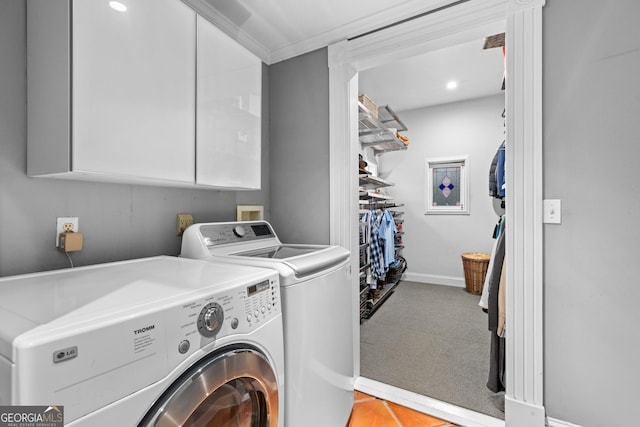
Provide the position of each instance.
(229, 90)
(133, 84)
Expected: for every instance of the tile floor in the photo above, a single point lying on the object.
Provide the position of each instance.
(369, 411)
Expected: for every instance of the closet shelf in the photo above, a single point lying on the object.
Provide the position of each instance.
(377, 204)
(370, 182)
(377, 196)
(380, 133)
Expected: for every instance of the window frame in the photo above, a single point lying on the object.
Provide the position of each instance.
(431, 164)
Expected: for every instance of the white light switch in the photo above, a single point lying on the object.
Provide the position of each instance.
(552, 211)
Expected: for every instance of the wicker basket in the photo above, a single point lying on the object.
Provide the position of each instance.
(369, 104)
(396, 270)
(475, 270)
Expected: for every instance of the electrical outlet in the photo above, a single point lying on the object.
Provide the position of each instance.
(184, 220)
(65, 224)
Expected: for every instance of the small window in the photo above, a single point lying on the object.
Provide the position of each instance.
(447, 185)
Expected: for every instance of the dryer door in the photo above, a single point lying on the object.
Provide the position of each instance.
(233, 388)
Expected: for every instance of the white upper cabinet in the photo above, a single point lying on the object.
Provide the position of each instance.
(133, 89)
(111, 94)
(114, 95)
(229, 109)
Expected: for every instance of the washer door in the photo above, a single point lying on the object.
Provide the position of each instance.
(233, 388)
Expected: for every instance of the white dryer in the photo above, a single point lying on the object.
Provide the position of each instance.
(160, 341)
(317, 313)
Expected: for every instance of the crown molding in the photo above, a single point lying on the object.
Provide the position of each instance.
(232, 30)
(357, 28)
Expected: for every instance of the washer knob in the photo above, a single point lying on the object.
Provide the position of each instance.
(238, 230)
(210, 319)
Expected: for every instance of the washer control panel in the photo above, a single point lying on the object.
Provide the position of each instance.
(233, 311)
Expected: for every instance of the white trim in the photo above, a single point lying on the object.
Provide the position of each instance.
(433, 279)
(426, 405)
(552, 422)
(524, 165)
(527, 414)
(524, 251)
(343, 172)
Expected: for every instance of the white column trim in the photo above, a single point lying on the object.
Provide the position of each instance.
(524, 250)
(524, 129)
(343, 175)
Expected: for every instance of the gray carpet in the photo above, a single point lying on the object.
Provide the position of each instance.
(432, 340)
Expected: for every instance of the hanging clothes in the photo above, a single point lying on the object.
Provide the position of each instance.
(484, 298)
(494, 284)
(493, 183)
(387, 233)
(500, 175)
(376, 245)
(502, 301)
(497, 186)
(495, 381)
(497, 367)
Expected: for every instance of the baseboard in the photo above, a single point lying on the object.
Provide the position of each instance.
(435, 279)
(426, 405)
(523, 414)
(552, 422)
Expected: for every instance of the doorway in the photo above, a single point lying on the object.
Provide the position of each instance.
(523, 402)
(429, 336)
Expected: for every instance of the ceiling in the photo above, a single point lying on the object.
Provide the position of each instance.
(276, 30)
(421, 81)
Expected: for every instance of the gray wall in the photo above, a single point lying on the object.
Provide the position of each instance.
(433, 243)
(299, 151)
(118, 221)
(591, 147)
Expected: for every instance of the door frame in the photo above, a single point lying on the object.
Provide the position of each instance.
(524, 405)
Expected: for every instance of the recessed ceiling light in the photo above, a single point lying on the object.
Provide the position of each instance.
(452, 85)
(116, 5)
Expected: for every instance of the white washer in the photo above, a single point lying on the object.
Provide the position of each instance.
(157, 341)
(317, 313)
